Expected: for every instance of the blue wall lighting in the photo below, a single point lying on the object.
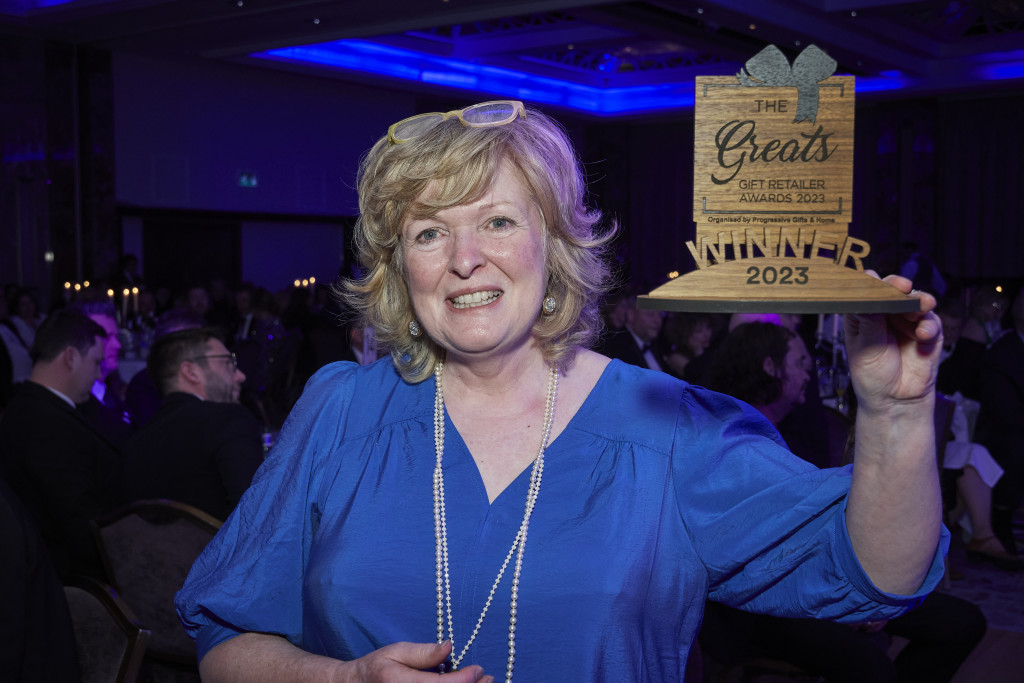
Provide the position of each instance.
(999, 72)
(369, 57)
(384, 60)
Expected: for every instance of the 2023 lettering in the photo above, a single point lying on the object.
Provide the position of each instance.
(769, 275)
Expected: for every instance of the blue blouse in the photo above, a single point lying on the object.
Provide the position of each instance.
(656, 495)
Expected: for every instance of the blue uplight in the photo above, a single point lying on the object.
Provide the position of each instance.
(384, 60)
(887, 80)
(368, 57)
(999, 72)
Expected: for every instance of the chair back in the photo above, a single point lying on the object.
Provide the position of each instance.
(148, 549)
(108, 638)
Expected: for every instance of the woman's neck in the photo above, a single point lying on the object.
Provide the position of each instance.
(493, 377)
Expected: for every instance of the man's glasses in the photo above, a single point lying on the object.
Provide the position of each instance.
(483, 115)
(230, 356)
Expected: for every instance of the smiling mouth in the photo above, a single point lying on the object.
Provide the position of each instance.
(475, 299)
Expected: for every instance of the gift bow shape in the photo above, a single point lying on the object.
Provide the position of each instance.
(769, 67)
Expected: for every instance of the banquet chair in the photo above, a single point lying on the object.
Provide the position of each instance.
(147, 549)
(109, 640)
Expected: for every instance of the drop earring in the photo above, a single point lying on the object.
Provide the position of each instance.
(414, 328)
(549, 305)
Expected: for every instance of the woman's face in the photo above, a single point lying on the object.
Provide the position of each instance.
(476, 271)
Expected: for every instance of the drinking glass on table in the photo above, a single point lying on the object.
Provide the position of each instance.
(841, 382)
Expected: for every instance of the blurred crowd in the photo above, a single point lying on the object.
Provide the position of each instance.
(280, 338)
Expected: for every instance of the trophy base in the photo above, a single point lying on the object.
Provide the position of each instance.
(778, 285)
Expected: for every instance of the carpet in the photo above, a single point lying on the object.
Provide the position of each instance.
(999, 593)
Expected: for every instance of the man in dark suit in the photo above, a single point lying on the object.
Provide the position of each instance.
(201, 447)
(637, 342)
(105, 408)
(1001, 421)
(63, 470)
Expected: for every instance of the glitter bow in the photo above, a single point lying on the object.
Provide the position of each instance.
(769, 67)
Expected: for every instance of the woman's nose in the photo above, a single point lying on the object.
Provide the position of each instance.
(467, 252)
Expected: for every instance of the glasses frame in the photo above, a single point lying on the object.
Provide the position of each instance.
(230, 356)
(518, 110)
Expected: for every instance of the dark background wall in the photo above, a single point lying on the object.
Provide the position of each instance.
(157, 148)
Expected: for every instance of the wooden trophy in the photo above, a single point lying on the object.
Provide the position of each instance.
(772, 196)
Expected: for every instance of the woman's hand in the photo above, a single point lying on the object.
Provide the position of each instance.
(402, 662)
(261, 657)
(894, 358)
(894, 510)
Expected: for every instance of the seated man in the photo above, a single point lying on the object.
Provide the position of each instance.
(637, 343)
(105, 408)
(201, 447)
(142, 398)
(63, 470)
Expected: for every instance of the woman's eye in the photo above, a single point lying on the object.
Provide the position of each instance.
(501, 223)
(428, 235)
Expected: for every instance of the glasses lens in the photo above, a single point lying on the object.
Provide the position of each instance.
(489, 113)
(416, 126)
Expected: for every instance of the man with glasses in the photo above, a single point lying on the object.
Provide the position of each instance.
(201, 447)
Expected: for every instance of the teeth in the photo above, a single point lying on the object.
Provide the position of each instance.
(475, 299)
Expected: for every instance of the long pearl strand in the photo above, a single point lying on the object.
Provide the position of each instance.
(444, 600)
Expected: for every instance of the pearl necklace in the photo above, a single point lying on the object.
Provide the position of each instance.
(444, 600)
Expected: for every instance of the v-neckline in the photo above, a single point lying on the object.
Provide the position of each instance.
(459, 445)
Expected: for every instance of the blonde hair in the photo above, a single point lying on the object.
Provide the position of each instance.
(459, 163)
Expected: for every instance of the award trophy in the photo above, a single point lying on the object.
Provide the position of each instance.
(772, 196)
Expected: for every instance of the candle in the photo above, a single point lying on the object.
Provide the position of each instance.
(124, 305)
(135, 300)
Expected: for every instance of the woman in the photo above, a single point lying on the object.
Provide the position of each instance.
(564, 514)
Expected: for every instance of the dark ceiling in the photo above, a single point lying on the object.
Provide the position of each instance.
(894, 48)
